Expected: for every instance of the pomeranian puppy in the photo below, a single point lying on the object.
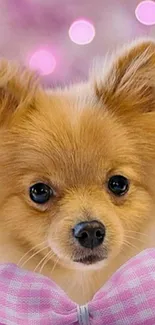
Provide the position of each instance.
(77, 175)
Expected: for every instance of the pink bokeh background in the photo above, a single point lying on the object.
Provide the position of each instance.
(60, 38)
(145, 12)
(82, 32)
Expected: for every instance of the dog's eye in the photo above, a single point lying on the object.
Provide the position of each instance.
(40, 193)
(118, 185)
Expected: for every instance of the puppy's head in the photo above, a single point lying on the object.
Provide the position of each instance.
(79, 178)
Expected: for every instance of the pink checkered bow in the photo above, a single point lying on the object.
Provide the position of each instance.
(27, 298)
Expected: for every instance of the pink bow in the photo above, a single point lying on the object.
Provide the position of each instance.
(28, 298)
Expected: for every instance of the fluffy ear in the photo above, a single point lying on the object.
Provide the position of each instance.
(127, 84)
(17, 90)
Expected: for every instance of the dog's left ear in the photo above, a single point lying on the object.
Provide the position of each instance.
(127, 84)
(18, 87)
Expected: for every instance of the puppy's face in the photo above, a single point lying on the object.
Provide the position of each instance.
(78, 180)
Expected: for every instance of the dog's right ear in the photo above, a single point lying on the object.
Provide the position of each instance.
(17, 91)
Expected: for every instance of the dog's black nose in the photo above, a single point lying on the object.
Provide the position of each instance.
(89, 234)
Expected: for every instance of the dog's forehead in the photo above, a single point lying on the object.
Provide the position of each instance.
(66, 130)
(80, 149)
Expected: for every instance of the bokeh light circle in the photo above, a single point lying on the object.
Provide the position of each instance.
(82, 32)
(145, 12)
(43, 62)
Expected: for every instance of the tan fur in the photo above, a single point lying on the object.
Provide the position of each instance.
(74, 140)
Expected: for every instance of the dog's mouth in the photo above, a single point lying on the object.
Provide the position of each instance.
(88, 260)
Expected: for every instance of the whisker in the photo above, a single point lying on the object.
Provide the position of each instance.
(42, 260)
(55, 264)
(128, 244)
(36, 253)
(137, 233)
(134, 238)
(29, 251)
(48, 257)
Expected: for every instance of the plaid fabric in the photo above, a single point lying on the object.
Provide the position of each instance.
(127, 298)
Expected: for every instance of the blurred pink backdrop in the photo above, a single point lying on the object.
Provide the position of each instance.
(27, 26)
